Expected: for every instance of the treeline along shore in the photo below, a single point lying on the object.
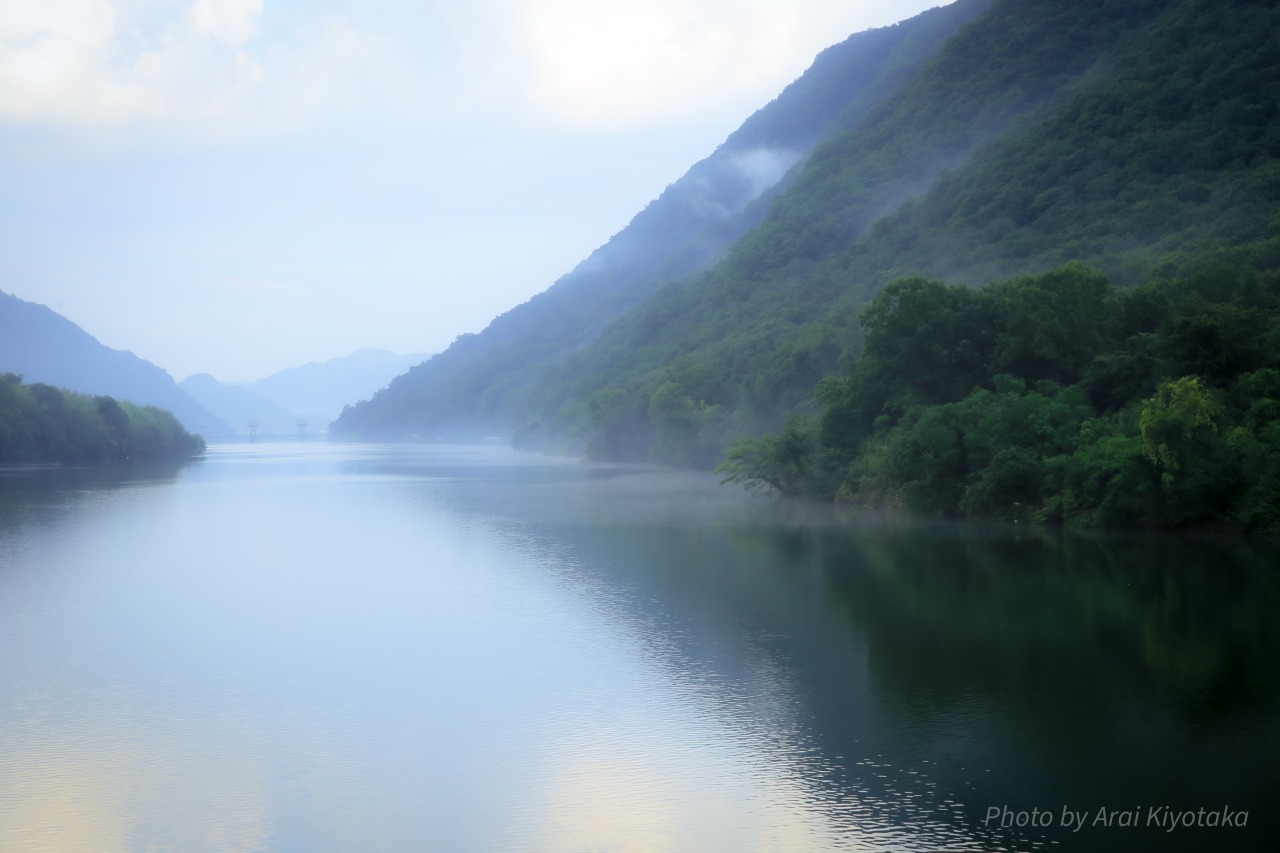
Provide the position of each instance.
(43, 424)
(1054, 397)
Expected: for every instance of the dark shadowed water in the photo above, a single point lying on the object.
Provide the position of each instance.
(340, 648)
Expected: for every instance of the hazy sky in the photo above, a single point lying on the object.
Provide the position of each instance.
(240, 186)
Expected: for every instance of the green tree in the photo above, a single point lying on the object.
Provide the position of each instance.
(1051, 326)
(1181, 437)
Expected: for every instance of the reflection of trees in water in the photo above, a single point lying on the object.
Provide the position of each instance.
(951, 609)
(1037, 665)
(35, 493)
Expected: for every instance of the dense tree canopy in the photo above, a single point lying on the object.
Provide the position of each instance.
(1050, 397)
(41, 423)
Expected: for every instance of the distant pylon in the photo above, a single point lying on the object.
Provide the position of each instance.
(253, 430)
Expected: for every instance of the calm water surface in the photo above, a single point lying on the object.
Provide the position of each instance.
(317, 647)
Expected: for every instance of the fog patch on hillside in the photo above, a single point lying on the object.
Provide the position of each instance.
(763, 167)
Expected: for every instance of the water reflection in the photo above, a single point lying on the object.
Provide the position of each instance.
(361, 648)
(1043, 669)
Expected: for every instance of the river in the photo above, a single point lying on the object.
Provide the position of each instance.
(321, 647)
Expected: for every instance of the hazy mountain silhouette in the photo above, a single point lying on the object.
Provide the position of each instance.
(43, 346)
(239, 406)
(320, 389)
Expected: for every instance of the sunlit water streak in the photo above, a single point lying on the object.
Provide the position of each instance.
(311, 647)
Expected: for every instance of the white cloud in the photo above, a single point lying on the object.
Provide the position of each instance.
(339, 70)
(86, 23)
(232, 22)
(50, 54)
(630, 62)
(202, 65)
(231, 68)
(618, 63)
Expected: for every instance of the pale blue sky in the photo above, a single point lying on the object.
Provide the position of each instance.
(240, 186)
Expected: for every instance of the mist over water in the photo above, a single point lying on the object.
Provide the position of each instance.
(351, 648)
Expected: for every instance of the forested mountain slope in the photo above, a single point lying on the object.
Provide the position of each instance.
(1142, 138)
(489, 382)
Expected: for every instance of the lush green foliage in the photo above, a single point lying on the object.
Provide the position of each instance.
(1035, 138)
(41, 423)
(1052, 397)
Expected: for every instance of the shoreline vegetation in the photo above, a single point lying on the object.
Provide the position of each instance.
(42, 424)
(1052, 398)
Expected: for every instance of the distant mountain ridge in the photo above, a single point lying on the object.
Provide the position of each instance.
(240, 407)
(300, 399)
(42, 346)
(320, 390)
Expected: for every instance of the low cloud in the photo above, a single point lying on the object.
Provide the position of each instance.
(763, 167)
(723, 187)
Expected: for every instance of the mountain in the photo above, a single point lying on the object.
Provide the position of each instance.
(318, 391)
(239, 406)
(42, 346)
(488, 382)
(1142, 138)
